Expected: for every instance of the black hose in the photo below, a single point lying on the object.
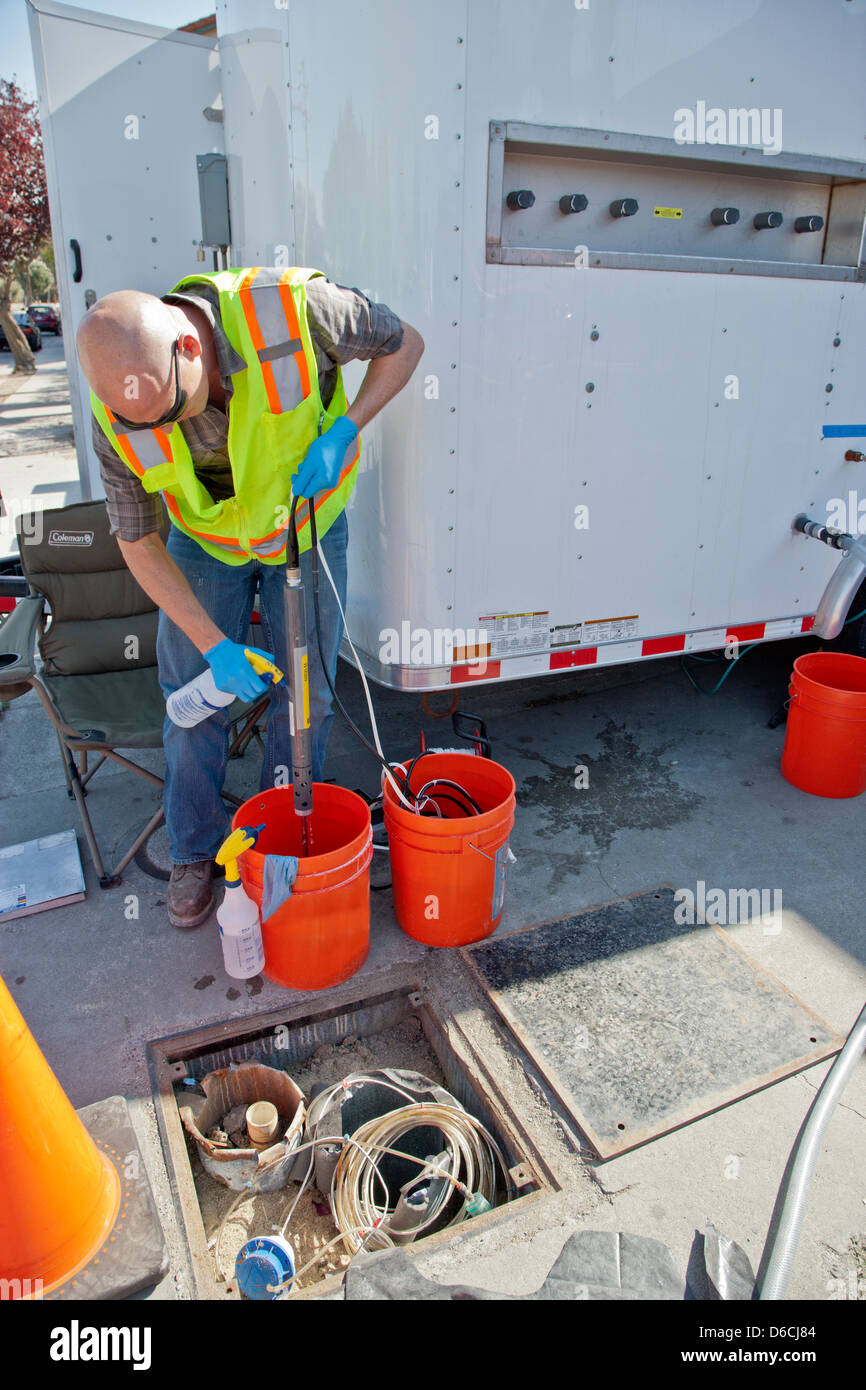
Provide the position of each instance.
(314, 560)
(455, 786)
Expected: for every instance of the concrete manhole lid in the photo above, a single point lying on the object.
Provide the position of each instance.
(641, 1024)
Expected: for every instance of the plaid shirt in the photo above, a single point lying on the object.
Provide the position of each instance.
(344, 326)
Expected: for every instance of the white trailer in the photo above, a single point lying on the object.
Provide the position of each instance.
(632, 238)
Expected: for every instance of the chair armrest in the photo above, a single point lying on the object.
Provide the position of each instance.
(18, 642)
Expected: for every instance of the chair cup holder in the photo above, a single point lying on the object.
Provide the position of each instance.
(8, 659)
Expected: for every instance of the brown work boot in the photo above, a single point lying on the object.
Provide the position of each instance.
(190, 894)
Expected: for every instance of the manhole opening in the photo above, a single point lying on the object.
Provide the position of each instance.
(394, 1030)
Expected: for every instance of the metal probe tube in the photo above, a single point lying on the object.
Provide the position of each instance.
(782, 1245)
(297, 677)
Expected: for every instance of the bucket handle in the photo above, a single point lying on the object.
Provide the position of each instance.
(492, 857)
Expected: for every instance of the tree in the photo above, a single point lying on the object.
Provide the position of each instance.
(46, 255)
(24, 218)
(36, 281)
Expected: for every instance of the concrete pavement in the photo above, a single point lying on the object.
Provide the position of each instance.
(38, 466)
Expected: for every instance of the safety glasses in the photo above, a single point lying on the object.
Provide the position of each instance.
(180, 399)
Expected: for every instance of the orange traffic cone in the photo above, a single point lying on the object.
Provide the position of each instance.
(59, 1195)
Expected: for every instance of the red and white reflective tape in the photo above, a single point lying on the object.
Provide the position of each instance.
(618, 653)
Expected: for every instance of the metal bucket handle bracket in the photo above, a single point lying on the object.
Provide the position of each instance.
(511, 857)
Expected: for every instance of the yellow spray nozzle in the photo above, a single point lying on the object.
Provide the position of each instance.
(241, 839)
(262, 666)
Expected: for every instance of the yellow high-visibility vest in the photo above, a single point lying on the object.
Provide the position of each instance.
(274, 416)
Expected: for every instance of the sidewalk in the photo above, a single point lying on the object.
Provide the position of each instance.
(38, 467)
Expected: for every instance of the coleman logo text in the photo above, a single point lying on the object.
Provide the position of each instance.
(70, 538)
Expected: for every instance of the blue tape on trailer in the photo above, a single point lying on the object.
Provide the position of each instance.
(844, 431)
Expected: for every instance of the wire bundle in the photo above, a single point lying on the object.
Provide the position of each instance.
(471, 1170)
(361, 1223)
(426, 797)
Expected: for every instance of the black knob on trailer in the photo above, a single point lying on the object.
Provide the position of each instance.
(808, 224)
(623, 207)
(767, 219)
(724, 217)
(521, 198)
(573, 202)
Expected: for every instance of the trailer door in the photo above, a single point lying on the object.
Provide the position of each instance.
(125, 109)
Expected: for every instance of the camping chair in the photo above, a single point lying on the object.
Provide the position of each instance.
(98, 681)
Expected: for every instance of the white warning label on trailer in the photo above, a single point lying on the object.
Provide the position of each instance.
(707, 640)
(509, 633)
(566, 635)
(609, 629)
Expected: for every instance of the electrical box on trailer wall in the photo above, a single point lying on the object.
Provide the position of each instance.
(213, 193)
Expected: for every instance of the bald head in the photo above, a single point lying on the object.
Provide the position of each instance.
(124, 346)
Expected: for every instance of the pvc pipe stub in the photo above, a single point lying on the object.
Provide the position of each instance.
(263, 1122)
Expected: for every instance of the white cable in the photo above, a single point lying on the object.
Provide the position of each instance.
(386, 772)
(471, 1149)
(251, 1190)
(313, 1143)
(290, 1285)
(473, 1153)
(376, 740)
(301, 1191)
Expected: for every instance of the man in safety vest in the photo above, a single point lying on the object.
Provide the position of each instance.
(226, 397)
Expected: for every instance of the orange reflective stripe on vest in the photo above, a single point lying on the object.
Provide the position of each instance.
(269, 311)
(223, 542)
(302, 515)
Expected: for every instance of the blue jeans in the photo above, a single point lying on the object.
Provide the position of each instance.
(195, 815)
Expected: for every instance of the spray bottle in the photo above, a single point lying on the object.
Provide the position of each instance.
(238, 915)
(199, 698)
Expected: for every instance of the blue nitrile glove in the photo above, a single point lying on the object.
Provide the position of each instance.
(323, 462)
(233, 673)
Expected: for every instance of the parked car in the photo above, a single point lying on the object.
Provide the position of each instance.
(30, 330)
(46, 317)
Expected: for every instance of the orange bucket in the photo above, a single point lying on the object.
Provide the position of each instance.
(448, 875)
(321, 935)
(825, 739)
